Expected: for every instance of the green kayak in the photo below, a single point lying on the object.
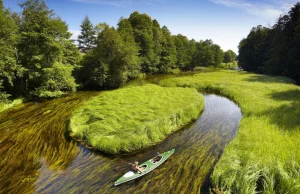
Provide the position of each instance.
(147, 167)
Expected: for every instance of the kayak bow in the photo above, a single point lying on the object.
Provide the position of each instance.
(148, 166)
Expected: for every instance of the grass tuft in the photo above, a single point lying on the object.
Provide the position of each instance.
(4, 106)
(133, 118)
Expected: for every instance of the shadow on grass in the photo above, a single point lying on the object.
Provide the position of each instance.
(290, 95)
(270, 79)
(286, 116)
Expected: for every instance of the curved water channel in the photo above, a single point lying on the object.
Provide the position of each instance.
(40, 158)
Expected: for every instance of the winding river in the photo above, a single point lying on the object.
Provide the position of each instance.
(37, 156)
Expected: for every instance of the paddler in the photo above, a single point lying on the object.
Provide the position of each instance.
(135, 167)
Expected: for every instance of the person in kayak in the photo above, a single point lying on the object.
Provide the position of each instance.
(136, 168)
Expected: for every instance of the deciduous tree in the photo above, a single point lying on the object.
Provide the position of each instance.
(9, 69)
(44, 42)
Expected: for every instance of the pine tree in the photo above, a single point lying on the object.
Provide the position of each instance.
(87, 38)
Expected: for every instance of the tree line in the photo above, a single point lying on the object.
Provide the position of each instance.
(275, 50)
(38, 58)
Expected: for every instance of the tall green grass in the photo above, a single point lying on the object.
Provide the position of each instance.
(132, 118)
(5, 106)
(264, 156)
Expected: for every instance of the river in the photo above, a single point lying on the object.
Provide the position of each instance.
(38, 156)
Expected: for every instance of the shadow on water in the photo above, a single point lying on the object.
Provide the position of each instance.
(198, 148)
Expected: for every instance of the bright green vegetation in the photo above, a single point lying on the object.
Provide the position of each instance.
(4, 106)
(265, 155)
(132, 118)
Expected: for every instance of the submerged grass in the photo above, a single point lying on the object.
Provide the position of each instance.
(133, 118)
(264, 156)
(32, 134)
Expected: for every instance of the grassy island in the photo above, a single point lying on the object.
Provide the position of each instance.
(264, 156)
(132, 118)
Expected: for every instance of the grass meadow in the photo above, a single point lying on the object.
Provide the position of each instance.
(264, 157)
(133, 118)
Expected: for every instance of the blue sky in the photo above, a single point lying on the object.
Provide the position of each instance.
(226, 22)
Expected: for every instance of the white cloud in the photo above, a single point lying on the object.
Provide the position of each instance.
(119, 3)
(75, 34)
(268, 9)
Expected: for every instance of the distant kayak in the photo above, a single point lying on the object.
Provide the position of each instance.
(147, 167)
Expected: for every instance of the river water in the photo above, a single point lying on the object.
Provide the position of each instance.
(38, 156)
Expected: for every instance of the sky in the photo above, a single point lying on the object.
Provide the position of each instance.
(226, 22)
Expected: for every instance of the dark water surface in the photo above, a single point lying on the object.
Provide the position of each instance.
(38, 157)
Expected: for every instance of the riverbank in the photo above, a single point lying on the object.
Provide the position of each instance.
(134, 118)
(5, 106)
(265, 155)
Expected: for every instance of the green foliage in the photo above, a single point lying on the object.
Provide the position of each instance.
(122, 61)
(9, 69)
(251, 49)
(111, 63)
(184, 56)
(168, 52)
(133, 68)
(57, 80)
(207, 54)
(264, 156)
(143, 35)
(203, 56)
(276, 50)
(134, 118)
(92, 72)
(149, 49)
(87, 37)
(218, 54)
(229, 56)
(44, 42)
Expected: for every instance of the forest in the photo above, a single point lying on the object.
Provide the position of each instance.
(274, 50)
(39, 60)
